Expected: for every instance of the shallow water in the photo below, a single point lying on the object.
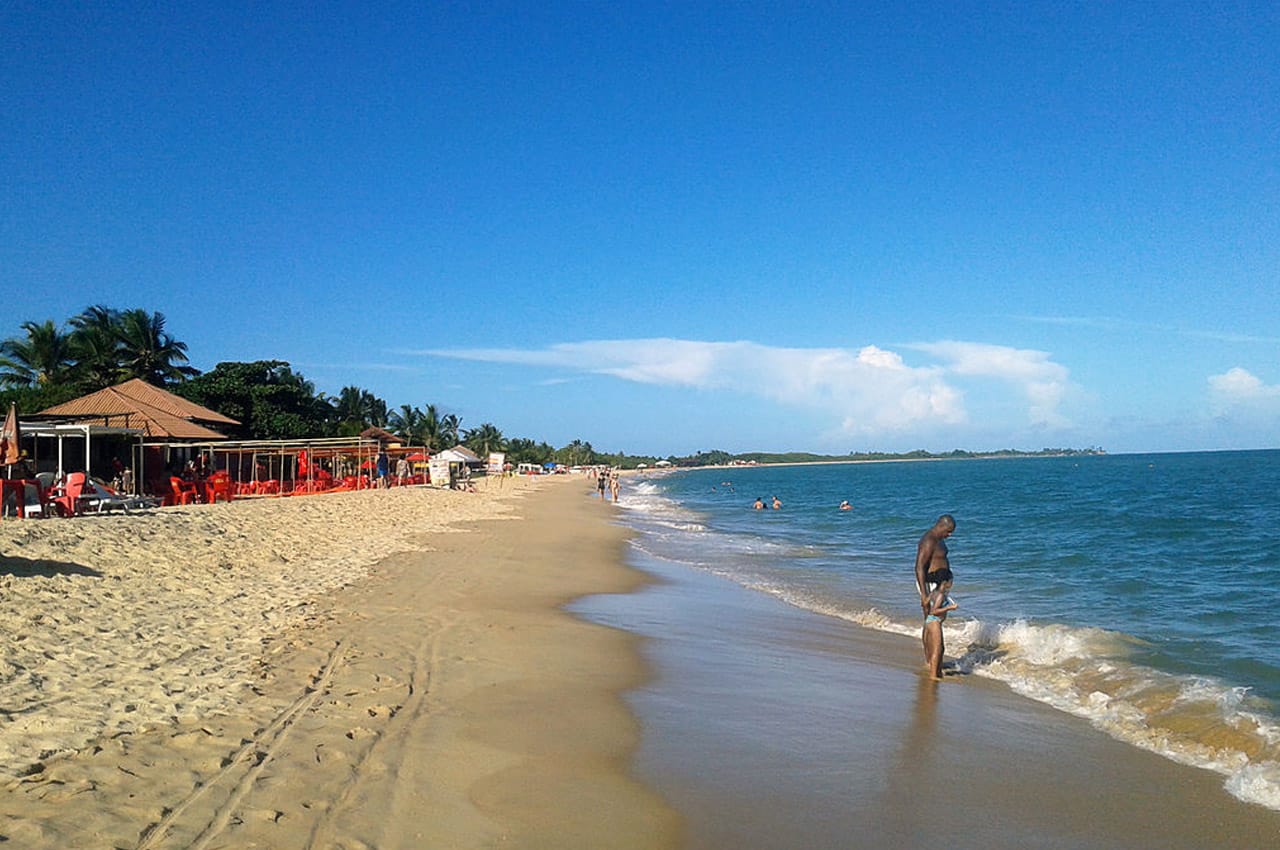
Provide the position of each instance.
(1133, 591)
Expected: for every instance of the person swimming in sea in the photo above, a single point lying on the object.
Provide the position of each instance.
(938, 604)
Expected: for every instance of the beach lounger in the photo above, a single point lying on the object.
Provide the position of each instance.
(98, 497)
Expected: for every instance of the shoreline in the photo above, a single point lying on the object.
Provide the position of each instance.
(426, 687)
(827, 734)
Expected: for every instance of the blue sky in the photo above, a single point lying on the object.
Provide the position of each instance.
(826, 226)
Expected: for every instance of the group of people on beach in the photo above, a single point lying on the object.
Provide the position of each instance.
(933, 581)
(607, 478)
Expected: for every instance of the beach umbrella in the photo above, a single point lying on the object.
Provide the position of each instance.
(10, 452)
(368, 464)
(416, 457)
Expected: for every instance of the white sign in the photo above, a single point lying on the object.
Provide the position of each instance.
(440, 476)
(496, 461)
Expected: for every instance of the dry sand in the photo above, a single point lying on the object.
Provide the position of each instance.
(322, 672)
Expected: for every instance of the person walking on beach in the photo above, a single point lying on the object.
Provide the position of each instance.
(614, 485)
(931, 557)
(384, 469)
(937, 604)
(602, 479)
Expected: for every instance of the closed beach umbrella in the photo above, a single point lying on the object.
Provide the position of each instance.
(9, 450)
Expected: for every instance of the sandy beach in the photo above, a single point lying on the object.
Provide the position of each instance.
(374, 669)
(425, 669)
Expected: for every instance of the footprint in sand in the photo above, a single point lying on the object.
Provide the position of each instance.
(262, 815)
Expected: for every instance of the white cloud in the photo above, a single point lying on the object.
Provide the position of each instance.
(1042, 382)
(1239, 390)
(869, 391)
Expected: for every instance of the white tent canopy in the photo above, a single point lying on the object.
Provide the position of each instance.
(458, 454)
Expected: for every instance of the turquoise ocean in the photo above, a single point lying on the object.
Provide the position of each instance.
(1137, 591)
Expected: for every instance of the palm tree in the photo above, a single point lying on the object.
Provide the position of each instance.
(356, 405)
(375, 410)
(525, 450)
(347, 405)
(432, 434)
(95, 344)
(97, 316)
(438, 431)
(407, 422)
(43, 358)
(484, 439)
(450, 429)
(429, 429)
(578, 453)
(147, 352)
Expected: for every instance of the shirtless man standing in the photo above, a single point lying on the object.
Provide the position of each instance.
(931, 555)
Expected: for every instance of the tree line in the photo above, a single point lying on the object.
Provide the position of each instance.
(48, 364)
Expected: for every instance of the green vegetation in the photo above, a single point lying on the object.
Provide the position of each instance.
(724, 458)
(103, 347)
(268, 398)
(48, 365)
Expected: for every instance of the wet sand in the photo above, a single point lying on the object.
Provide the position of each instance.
(337, 671)
(772, 727)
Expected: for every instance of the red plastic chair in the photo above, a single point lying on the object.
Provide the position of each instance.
(26, 497)
(184, 492)
(67, 503)
(221, 487)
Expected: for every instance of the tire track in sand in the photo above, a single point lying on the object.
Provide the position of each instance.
(387, 747)
(243, 768)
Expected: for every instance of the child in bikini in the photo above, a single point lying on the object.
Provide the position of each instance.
(937, 606)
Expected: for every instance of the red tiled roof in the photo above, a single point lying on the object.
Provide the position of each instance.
(137, 404)
(373, 432)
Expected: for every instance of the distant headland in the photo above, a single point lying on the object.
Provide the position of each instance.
(722, 458)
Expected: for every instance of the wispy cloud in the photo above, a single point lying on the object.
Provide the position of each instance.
(350, 367)
(870, 390)
(1115, 325)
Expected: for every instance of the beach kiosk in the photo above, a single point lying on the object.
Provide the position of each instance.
(451, 464)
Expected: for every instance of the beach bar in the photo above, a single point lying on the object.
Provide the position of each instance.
(283, 467)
